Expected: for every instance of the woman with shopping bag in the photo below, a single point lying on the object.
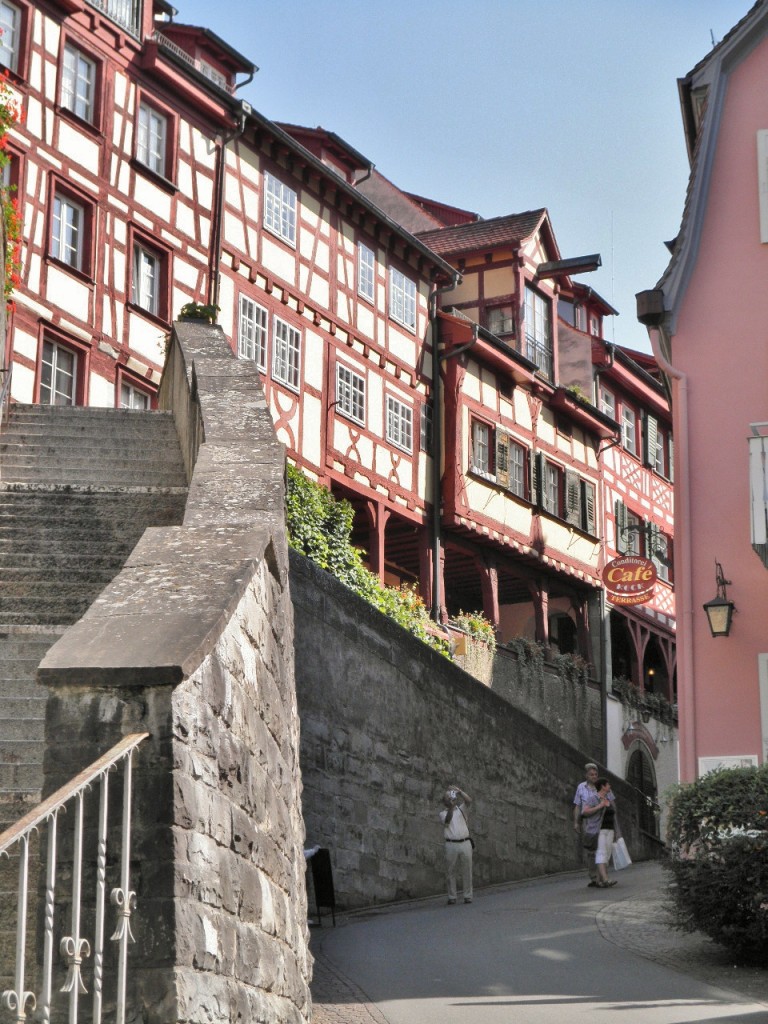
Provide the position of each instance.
(605, 806)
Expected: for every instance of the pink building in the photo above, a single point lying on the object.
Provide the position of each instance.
(707, 320)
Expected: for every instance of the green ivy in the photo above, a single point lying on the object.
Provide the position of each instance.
(319, 526)
(717, 834)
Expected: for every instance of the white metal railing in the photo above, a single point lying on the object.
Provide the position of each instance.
(204, 69)
(74, 947)
(125, 12)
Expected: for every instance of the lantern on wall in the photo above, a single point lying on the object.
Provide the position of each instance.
(720, 610)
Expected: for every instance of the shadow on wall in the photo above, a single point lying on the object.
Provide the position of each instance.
(386, 724)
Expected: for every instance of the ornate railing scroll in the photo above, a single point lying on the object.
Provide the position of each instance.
(75, 948)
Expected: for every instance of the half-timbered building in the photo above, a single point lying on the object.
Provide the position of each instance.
(145, 184)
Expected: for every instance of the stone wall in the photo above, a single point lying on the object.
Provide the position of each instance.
(570, 709)
(193, 643)
(387, 724)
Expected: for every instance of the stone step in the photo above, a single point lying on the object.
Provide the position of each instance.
(18, 733)
(24, 708)
(20, 778)
(44, 612)
(19, 582)
(116, 450)
(49, 556)
(63, 415)
(92, 475)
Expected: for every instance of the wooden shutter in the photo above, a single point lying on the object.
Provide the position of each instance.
(671, 466)
(588, 510)
(502, 458)
(572, 498)
(536, 477)
(650, 439)
(620, 510)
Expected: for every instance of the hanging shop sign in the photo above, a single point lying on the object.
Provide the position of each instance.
(629, 579)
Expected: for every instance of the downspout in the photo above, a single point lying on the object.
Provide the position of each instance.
(437, 443)
(214, 274)
(661, 342)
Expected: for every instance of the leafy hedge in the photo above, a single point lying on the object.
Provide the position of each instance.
(718, 839)
(319, 526)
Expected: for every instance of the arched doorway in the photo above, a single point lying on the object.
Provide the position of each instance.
(641, 775)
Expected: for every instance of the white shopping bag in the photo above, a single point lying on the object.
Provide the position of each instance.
(621, 858)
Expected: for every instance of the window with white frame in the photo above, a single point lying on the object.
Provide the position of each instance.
(500, 320)
(629, 429)
(350, 393)
(402, 298)
(252, 335)
(517, 469)
(68, 232)
(279, 208)
(483, 448)
(152, 139)
(147, 278)
(58, 374)
(10, 26)
(78, 83)
(552, 489)
(538, 330)
(399, 424)
(366, 271)
(286, 354)
(607, 402)
(132, 397)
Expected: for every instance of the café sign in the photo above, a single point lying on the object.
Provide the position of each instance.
(629, 579)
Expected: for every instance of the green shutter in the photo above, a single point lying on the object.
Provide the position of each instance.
(502, 458)
(588, 510)
(650, 439)
(572, 498)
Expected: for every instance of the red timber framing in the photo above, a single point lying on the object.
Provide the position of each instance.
(168, 189)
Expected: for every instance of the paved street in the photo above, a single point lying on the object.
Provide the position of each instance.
(540, 952)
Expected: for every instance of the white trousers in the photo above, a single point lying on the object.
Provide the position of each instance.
(604, 846)
(458, 857)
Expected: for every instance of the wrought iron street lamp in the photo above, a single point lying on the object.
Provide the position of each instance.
(720, 610)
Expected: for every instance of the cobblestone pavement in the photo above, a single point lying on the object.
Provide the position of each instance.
(638, 923)
(336, 1000)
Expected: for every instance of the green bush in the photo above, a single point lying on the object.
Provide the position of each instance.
(319, 526)
(477, 626)
(718, 858)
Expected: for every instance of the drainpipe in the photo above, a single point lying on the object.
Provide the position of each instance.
(214, 274)
(437, 443)
(652, 314)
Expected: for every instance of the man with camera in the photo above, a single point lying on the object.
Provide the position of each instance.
(458, 845)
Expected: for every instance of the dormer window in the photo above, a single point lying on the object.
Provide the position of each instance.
(500, 320)
(213, 74)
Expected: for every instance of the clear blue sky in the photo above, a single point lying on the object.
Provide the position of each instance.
(500, 106)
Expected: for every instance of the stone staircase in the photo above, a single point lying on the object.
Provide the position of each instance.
(78, 487)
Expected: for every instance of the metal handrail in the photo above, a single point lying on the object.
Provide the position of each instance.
(80, 782)
(75, 947)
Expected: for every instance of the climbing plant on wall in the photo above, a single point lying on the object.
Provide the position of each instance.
(320, 527)
(10, 114)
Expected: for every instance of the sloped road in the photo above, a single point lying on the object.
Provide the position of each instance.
(548, 951)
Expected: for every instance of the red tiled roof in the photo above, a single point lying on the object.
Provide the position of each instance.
(497, 231)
